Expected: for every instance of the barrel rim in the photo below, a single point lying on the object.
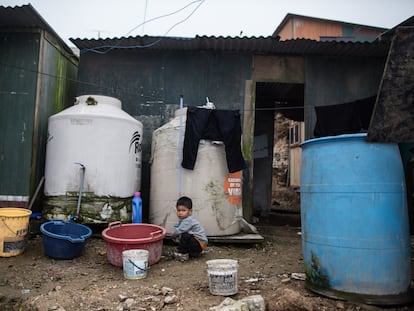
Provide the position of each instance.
(330, 138)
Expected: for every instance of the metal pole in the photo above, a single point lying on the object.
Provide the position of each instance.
(180, 149)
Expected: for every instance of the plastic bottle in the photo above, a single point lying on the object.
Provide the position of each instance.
(137, 208)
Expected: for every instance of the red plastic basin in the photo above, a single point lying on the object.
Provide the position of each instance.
(120, 237)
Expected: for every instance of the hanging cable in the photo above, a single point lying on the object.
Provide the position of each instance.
(145, 16)
(107, 48)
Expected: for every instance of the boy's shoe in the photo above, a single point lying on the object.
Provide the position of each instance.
(181, 256)
(168, 255)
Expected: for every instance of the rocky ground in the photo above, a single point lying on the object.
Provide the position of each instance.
(32, 281)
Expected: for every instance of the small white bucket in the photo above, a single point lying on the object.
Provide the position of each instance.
(135, 263)
(222, 275)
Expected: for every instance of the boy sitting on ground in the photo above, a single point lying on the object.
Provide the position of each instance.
(192, 239)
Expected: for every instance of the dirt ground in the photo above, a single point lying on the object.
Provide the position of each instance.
(32, 281)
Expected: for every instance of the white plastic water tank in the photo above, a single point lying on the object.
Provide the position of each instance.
(97, 134)
(215, 193)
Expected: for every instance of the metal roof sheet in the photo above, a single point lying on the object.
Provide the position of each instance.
(26, 16)
(252, 45)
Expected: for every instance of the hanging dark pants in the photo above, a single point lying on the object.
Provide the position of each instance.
(212, 124)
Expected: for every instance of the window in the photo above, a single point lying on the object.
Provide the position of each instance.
(337, 39)
(294, 134)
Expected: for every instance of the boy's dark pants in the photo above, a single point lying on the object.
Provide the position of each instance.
(188, 244)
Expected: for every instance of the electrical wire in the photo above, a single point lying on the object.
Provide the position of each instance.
(107, 48)
(166, 15)
(145, 16)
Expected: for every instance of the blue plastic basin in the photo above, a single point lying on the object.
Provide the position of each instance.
(64, 240)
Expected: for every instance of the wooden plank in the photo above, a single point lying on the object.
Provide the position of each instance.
(237, 238)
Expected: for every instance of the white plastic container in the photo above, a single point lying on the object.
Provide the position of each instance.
(99, 135)
(135, 263)
(222, 276)
(215, 204)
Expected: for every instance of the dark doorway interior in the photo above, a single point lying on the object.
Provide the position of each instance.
(271, 97)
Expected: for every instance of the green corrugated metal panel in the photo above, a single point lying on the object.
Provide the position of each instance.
(33, 86)
(56, 93)
(18, 59)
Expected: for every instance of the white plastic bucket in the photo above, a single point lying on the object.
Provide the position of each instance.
(222, 275)
(135, 263)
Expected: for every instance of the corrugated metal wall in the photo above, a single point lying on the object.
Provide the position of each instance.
(33, 85)
(149, 84)
(19, 58)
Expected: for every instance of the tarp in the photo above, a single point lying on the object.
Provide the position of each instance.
(393, 116)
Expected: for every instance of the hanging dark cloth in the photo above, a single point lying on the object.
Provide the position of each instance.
(348, 118)
(213, 124)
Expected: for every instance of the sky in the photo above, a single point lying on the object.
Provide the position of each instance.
(89, 19)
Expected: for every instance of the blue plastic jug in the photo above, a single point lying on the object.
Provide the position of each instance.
(137, 208)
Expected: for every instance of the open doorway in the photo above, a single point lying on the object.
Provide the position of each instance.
(279, 119)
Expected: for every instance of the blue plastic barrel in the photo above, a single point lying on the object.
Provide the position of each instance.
(354, 216)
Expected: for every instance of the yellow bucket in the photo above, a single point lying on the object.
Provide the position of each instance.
(14, 227)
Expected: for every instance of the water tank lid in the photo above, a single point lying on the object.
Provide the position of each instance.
(93, 100)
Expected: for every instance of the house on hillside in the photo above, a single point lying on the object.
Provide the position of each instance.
(295, 26)
(37, 70)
